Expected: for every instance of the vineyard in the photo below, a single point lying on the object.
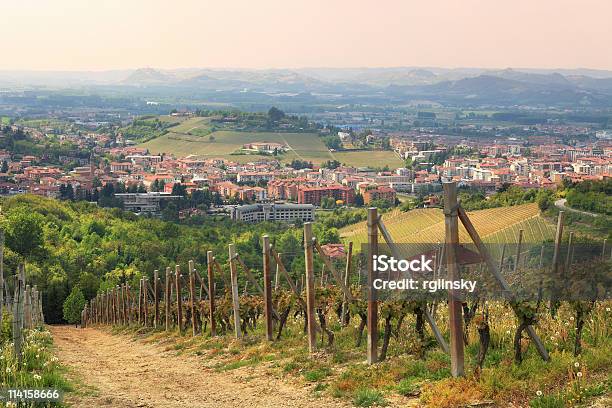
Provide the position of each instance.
(320, 327)
(495, 225)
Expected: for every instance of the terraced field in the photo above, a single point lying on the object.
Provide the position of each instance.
(495, 226)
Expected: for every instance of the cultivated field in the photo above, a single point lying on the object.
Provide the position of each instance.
(374, 158)
(196, 136)
(495, 225)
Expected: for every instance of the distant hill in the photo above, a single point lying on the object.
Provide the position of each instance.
(392, 85)
(148, 76)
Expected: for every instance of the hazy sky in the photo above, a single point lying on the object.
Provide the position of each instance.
(109, 34)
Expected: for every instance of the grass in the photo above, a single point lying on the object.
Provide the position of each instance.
(406, 376)
(38, 368)
(304, 146)
(374, 158)
(368, 397)
(198, 137)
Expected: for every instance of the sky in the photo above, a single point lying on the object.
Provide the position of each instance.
(127, 34)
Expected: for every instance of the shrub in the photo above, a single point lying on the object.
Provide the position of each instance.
(73, 306)
(367, 397)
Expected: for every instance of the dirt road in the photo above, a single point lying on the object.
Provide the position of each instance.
(118, 371)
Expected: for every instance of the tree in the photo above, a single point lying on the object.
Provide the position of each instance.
(275, 114)
(24, 232)
(73, 306)
(331, 164)
(359, 200)
(4, 167)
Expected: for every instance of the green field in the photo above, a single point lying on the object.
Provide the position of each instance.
(374, 158)
(195, 136)
(304, 146)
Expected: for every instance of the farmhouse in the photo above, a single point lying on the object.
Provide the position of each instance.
(265, 147)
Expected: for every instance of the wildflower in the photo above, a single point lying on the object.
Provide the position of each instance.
(37, 377)
(607, 309)
(539, 393)
(576, 364)
(38, 356)
(579, 374)
(572, 318)
(8, 370)
(507, 331)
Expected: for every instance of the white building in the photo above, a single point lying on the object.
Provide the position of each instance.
(273, 212)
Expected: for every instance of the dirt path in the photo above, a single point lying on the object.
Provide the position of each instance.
(562, 205)
(122, 372)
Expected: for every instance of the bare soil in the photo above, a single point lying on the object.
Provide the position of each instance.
(120, 371)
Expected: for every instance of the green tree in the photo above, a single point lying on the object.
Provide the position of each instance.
(275, 114)
(73, 306)
(24, 232)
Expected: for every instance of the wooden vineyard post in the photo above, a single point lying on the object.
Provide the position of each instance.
(192, 299)
(603, 249)
(118, 303)
(156, 297)
(145, 300)
(501, 260)
(347, 273)
(454, 301)
(27, 306)
(130, 305)
(568, 255)
(310, 290)
(167, 297)
(558, 237)
(276, 275)
(372, 346)
(140, 301)
(235, 296)
(518, 251)
(211, 294)
(179, 299)
(124, 303)
(267, 287)
(18, 313)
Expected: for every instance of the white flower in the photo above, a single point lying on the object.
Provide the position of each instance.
(579, 374)
(37, 377)
(539, 393)
(8, 370)
(572, 318)
(607, 309)
(576, 364)
(38, 356)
